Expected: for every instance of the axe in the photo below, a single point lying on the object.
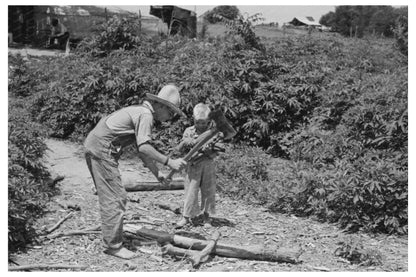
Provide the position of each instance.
(221, 125)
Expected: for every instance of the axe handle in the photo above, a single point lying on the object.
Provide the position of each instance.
(202, 140)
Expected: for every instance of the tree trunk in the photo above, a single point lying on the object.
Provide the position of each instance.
(221, 249)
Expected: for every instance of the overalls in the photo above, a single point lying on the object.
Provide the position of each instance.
(103, 150)
(200, 176)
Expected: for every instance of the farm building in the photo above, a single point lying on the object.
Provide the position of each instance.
(305, 21)
(31, 24)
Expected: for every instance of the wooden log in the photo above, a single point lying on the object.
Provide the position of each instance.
(202, 256)
(46, 266)
(169, 249)
(222, 249)
(175, 184)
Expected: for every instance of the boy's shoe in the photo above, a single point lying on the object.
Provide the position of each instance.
(182, 223)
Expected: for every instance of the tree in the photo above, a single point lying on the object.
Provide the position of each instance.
(327, 19)
(383, 21)
(401, 30)
(358, 21)
(228, 12)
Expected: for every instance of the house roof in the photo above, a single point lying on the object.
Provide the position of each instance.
(87, 10)
(304, 20)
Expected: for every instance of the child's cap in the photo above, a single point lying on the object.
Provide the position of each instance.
(201, 111)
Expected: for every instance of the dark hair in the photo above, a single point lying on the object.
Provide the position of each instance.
(54, 22)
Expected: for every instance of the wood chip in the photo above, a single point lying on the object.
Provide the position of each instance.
(145, 251)
(157, 258)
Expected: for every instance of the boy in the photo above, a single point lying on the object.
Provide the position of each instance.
(200, 171)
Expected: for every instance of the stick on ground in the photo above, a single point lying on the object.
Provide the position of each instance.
(73, 233)
(170, 207)
(56, 226)
(46, 266)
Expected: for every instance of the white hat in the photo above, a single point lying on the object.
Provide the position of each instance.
(168, 96)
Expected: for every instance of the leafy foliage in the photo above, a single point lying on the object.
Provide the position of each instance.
(117, 33)
(354, 252)
(28, 191)
(401, 33)
(243, 174)
(243, 27)
(228, 12)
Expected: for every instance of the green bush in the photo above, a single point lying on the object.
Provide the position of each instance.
(28, 192)
(242, 174)
(23, 79)
(401, 33)
(115, 34)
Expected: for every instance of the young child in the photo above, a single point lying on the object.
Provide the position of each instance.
(200, 171)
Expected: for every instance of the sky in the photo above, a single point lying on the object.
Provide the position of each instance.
(270, 13)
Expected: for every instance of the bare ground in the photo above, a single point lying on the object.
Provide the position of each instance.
(238, 223)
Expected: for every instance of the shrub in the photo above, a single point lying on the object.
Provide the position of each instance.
(22, 79)
(115, 34)
(401, 33)
(242, 173)
(28, 191)
(355, 252)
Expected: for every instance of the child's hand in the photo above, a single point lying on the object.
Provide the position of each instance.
(188, 142)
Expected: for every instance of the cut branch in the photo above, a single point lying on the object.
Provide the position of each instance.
(46, 266)
(72, 233)
(169, 249)
(141, 222)
(175, 184)
(221, 249)
(203, 255)
(56, 226)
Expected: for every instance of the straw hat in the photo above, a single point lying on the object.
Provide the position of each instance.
(168, 96)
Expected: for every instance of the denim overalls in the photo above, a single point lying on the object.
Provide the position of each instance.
(103, 150)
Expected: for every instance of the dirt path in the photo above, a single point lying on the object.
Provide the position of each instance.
(241, 224)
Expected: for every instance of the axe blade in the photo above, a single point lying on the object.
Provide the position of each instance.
(222, 124)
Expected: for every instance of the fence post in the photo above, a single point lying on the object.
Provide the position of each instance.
(140, 22)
